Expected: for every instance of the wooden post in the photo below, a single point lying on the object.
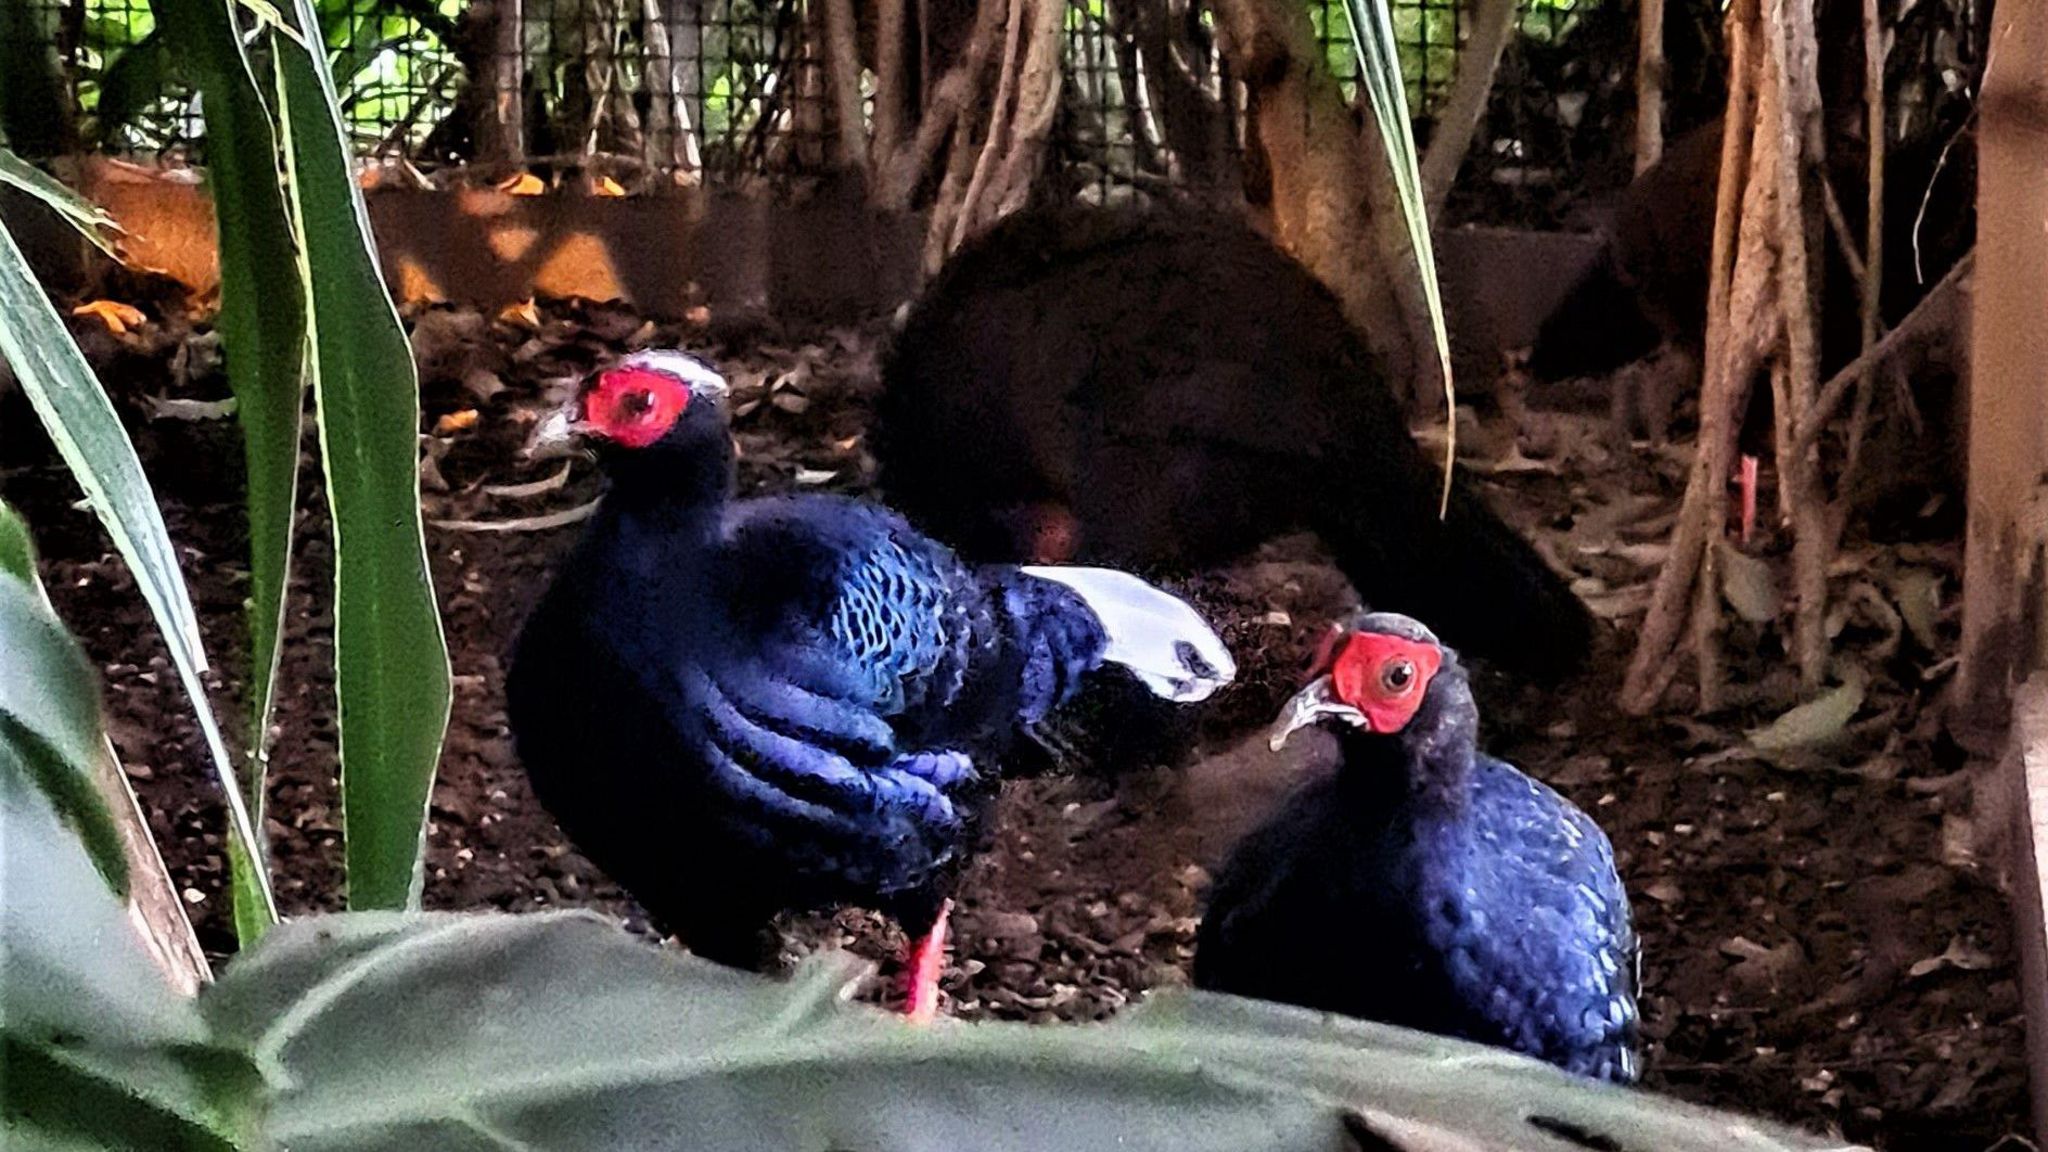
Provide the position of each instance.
(2003, 599)
(2002, 602)
(2025, 770)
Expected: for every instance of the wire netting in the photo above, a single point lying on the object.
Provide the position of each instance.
(727, 91)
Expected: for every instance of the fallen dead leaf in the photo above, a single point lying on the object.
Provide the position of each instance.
(1748, 585)
(171, 408)
(1917, 591)
(525, 316)
(1817, 721)
(523, 184)
(454, 422)
(1959, 955)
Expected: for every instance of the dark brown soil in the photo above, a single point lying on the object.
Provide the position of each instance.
(1819, 947)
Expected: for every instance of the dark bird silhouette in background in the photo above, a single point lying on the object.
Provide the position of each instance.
(1162, 390)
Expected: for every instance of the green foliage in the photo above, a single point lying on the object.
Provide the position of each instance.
(338, 330)
(96, 1050)
(369, 1031)
(82, 423)
(89, 218)
(262, 323)
(49, 707)
(391, 660)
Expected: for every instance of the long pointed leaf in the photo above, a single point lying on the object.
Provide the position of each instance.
(82, 214)
(82, 423)
(390, 657)
(263, 326)
(1379, 71)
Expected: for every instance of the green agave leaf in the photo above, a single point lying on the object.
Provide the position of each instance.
(82, 423)
(390, 656)
(89, 218)
(96, 1050)
(560, 1032)
(1379, 72)
(263, 328)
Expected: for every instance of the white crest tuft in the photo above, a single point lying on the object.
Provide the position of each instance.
(701, 377)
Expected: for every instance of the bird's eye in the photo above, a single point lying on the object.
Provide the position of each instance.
(1397, 676)
(637, 404)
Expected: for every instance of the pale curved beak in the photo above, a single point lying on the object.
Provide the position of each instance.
(560, 433)
(1310, 705)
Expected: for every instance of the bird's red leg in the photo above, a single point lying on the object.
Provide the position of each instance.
(926, 961)
(1746, 481)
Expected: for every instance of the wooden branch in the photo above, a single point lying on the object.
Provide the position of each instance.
(1493, 25)
(1932, 315)
(1333, 202)
(1873, 221)
(1729, 364)
(1650, 69)
(503, 136)
(1793, 56)
(953, 100)
(842, 69)
(891, 81)
(1001, 112)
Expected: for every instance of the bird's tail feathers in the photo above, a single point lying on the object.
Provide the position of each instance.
(1165, 643)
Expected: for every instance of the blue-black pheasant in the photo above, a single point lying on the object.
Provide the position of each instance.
(1424, 883)
(740, 707)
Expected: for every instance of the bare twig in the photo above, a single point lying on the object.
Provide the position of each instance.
(1931, 314)
(562, 519)
(1838, 227)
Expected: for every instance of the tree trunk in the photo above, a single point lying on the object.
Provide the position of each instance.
(2005, 608)
(674, 63)
(842, 74)
(1333, 203)
(893, 101)
(35, 104)
(1493, 25)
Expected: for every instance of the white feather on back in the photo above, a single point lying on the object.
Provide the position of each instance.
(1150, 632)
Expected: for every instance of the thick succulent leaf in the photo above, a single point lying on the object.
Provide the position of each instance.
(82, 214)
(560, 1032)
(390, 657)
(50, 723)
(82, 423)
(96, 1050)
(263, 328)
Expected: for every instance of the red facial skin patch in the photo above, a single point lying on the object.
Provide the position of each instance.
(1384, 677)
(634, 407)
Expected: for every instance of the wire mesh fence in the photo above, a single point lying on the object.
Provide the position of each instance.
(725, 91)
